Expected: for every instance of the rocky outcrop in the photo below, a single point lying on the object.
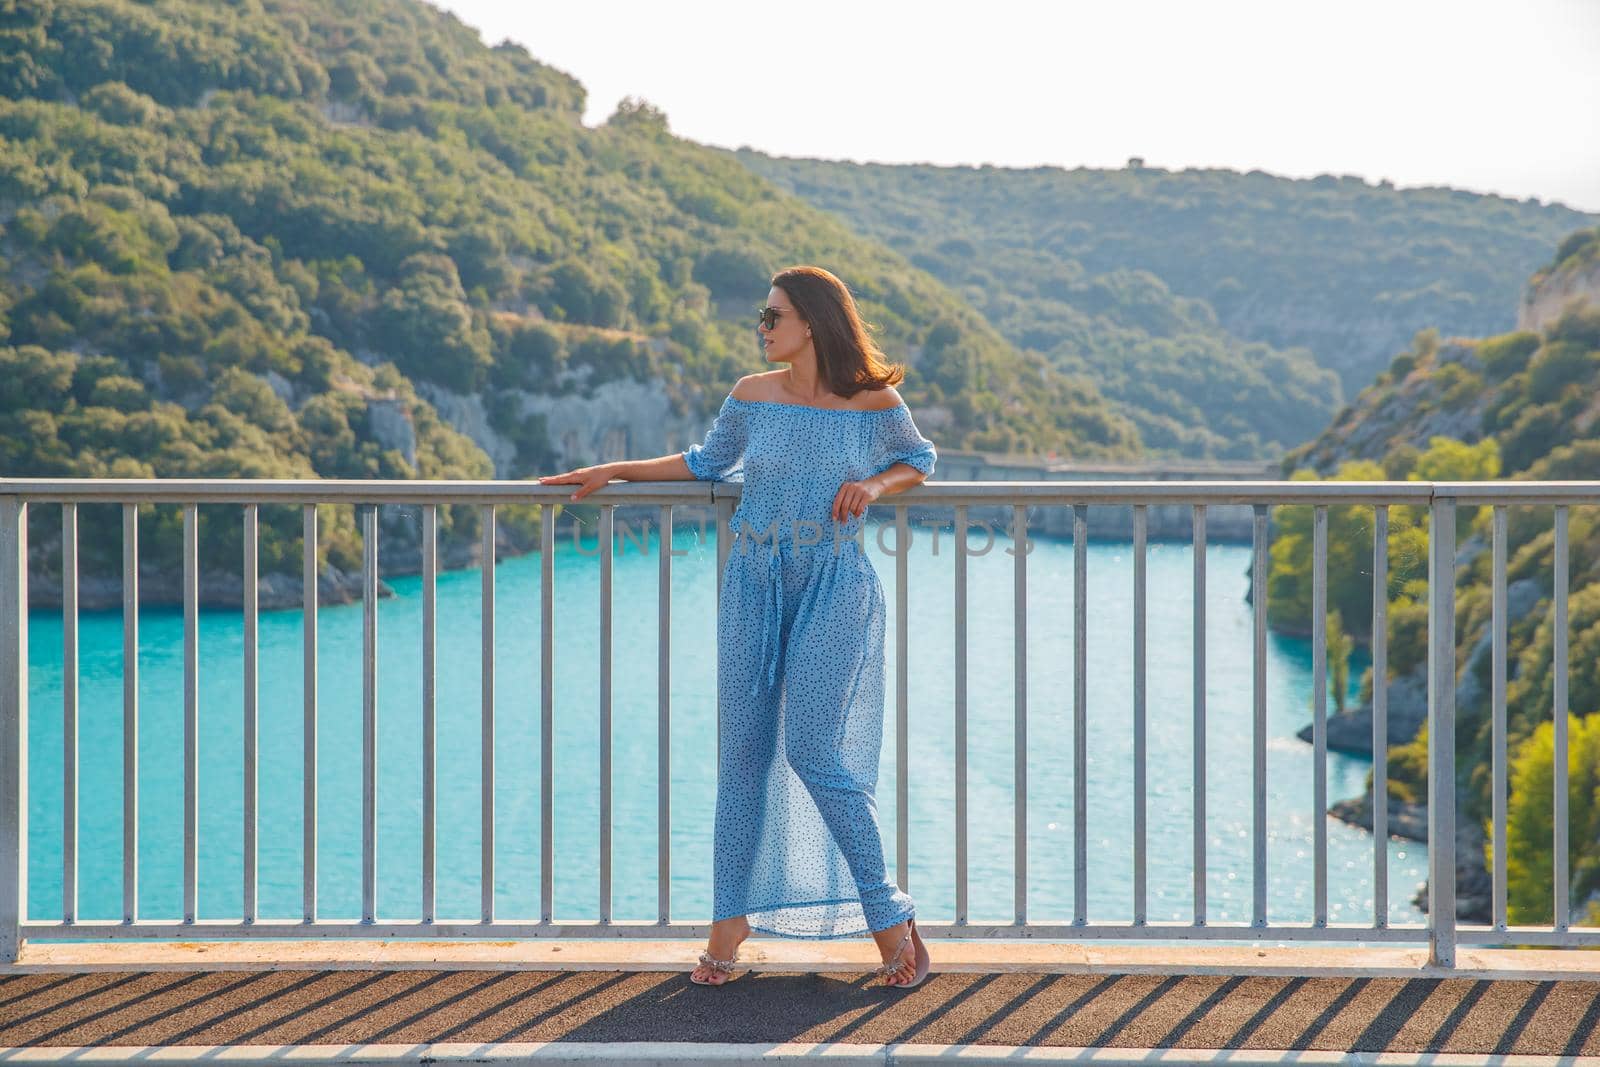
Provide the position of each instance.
(1474, 884)
(1409, 821)
(616, 420)
(1409, 411)
(466, 414)
(1351, 731)
(345, 113)
(390, 421)
(1549, 295)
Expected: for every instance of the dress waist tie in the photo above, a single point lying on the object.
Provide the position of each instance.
(771, 623)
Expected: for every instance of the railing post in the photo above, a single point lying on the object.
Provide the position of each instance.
(13, 723)
(1442, 733)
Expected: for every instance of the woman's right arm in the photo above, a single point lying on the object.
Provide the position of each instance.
(666, 468)
(669, 468)
(718, 456)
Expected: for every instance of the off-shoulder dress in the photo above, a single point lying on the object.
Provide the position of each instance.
(800, 673)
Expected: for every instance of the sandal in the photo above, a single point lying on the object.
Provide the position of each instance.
(719, 966)
(895, 961)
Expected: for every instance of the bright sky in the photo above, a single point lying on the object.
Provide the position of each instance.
(1497, 96)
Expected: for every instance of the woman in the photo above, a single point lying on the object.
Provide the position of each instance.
(800, 630)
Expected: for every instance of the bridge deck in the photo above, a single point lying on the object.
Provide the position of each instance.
(1138, 998)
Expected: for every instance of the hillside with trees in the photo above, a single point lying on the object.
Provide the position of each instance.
(1518, 405)
(1228, 311)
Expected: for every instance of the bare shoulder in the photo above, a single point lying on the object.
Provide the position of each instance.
(883, 399)
(754, 386)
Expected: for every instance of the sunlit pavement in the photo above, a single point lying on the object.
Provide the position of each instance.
(503, 1002)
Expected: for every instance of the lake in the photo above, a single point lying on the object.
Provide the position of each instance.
(693, 786)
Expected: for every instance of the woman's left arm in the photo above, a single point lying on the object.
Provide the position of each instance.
(911, 459)
(854, 497)
(898, 478)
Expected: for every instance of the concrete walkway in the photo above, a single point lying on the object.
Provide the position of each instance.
(471, 1002)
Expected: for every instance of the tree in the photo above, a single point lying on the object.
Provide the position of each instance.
(425, 324)
(1449, 460)
(1530, 856)
(1340, 645)
(1350, 534)
(637, 113)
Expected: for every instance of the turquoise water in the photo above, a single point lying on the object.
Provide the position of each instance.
(634, 776)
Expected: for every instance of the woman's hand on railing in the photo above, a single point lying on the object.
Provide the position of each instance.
(853, 497)
(587, 478)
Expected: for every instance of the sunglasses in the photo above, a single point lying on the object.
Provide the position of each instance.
(769, 316)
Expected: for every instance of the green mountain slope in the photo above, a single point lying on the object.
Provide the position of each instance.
(1214, 303)
(1518, 405)
(348, 239)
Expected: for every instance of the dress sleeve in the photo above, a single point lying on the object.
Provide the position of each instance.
(899, 441)
(722, 453)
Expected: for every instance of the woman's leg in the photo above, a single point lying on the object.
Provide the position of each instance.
(746, 747)
(833, 729)
(889, 942)
(746, 741)
(726, 937)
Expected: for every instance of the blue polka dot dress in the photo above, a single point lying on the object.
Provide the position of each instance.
(800, 669)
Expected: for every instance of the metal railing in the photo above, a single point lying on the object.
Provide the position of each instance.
(1441, 932)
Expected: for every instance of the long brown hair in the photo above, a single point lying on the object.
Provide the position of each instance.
(847, 359)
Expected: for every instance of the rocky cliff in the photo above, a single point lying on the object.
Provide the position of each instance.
(1410, 408)
(1574, 281)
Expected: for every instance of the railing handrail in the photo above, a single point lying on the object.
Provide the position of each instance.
(391, 491)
